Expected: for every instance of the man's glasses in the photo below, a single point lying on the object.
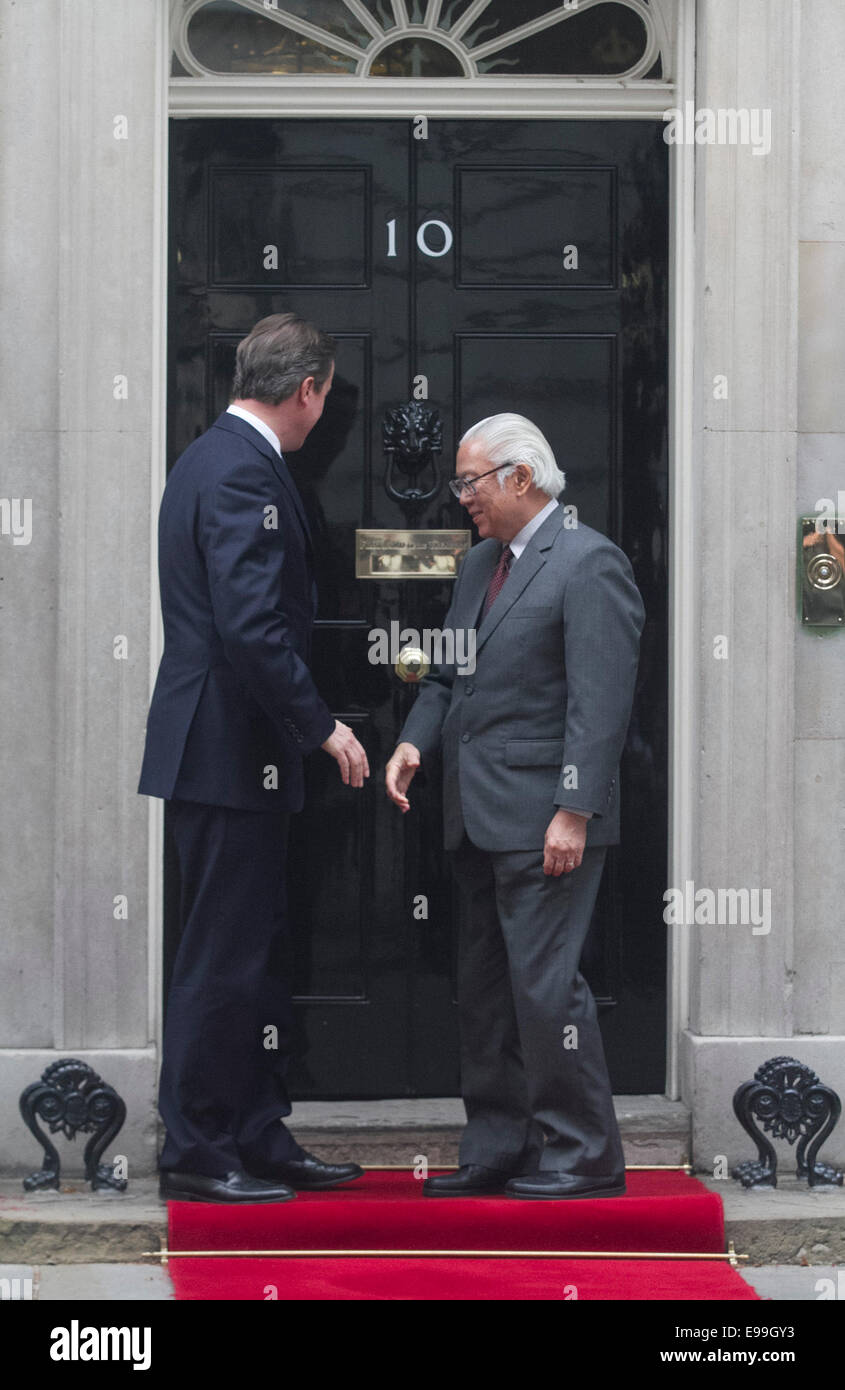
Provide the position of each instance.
(460, 485)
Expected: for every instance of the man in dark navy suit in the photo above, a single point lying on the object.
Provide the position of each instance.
(233, 713)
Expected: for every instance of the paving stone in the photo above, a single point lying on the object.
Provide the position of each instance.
(17, 1282)
(104, 1283)
(144, 1283)
(799, 1284)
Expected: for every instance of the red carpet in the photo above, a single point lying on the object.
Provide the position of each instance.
(662, 1211)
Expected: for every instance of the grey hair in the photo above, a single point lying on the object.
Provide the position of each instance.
(278, 354)
(513, 439)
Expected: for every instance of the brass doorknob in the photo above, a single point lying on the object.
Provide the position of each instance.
(412, 664)
(824, 571)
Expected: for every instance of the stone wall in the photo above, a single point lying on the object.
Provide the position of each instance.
(83, 95)
(770, 785)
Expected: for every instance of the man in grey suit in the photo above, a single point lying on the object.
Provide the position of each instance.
(531, 742)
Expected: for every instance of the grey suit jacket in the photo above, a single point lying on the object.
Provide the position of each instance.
(541, 722)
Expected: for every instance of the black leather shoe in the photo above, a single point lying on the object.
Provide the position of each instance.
(237, 1186)
(468, 1181)
(310, 1174)
(566, 1185)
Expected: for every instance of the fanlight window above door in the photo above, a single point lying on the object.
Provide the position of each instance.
(623, 39)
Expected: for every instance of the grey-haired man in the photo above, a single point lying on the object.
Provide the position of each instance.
(531, 744)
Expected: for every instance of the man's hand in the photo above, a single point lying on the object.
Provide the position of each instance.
(348, 754)
(399, 772)
(564, 844)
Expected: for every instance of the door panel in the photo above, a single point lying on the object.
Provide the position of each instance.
(566, 385)
(498, 247)
(318, 219)
(448, 258)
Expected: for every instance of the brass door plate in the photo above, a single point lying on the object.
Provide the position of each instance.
(821, 545)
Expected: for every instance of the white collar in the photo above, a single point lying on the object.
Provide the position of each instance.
(257, 424)
(521, 539)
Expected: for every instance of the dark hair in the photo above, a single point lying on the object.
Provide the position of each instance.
(275, 358)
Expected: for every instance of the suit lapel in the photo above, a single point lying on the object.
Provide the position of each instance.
(283, 473)
(280, 468)
(521, 573)
(476, 588)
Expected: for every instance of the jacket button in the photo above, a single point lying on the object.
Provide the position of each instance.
(465, 738)
(468, 689)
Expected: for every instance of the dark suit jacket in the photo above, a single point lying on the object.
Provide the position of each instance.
(234, 695)
(550, 699)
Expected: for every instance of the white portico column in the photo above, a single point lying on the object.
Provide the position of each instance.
(745, 985)
(85, 92)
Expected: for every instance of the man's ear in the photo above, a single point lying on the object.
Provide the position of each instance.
(306, 387)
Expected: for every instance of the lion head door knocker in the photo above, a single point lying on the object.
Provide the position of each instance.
(413, 437)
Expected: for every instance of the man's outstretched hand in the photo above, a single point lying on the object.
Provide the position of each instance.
(399, 773)
(349, 755)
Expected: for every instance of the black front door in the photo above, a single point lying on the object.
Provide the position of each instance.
(479, 267)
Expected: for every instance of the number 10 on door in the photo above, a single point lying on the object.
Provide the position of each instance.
(423, 237)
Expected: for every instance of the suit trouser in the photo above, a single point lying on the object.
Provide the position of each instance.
(222, 1092)
(533, 1100)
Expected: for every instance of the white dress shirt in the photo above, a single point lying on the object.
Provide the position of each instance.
(258, 424)
(522, 537)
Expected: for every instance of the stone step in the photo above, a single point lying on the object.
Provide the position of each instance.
(654, 1130)
(787, 1225)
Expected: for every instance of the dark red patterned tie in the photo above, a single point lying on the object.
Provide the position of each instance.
(500, 574)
